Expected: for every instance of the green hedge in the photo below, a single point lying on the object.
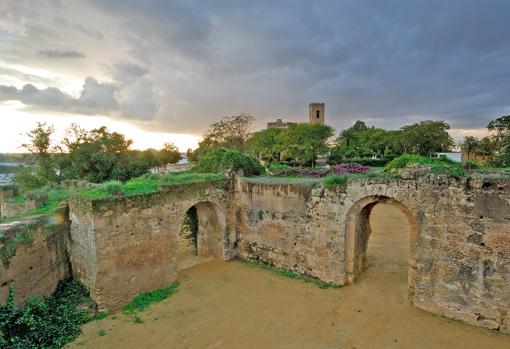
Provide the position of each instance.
(220, 160)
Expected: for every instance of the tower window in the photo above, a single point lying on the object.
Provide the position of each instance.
(318, 114)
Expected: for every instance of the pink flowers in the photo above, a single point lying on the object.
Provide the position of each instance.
(350, 168)
(341, 169)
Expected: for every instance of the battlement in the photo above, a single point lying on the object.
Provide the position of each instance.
(278, 124)
(316, 111)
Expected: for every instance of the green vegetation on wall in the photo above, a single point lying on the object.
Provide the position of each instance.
(147, 184)
(45, 323)
(220, 160)
(189, 229)
(436, 165)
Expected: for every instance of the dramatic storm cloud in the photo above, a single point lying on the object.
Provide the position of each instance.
(176, 66)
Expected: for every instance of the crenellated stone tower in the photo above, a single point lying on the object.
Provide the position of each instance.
(316, 113)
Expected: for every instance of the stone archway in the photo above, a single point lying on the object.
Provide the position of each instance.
(358, 232)
(211, 229)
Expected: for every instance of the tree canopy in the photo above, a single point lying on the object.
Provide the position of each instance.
(96, 155)
(304, 142)
(231, 133)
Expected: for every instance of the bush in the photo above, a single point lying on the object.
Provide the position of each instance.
(220, 160)
(335, 181)
(322, 172)
(472, 165)
(277, 166)
(37, 195)
(44, 323)
(350, 168)
(27, 180)
(408, 159)
(437, 165)
(113, 188)
(302, 172)
(336, 158)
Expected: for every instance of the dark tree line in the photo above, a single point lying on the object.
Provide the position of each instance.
(97, 155)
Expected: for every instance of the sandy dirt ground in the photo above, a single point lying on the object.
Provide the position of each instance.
(231, 305)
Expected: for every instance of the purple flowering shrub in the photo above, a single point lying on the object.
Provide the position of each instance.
(322, 172)
(343, 169)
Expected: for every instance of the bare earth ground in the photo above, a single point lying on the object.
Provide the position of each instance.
(230, 305)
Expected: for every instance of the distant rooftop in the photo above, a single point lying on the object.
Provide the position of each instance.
(278, 124)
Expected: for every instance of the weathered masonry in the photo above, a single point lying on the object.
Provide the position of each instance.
(459, 245)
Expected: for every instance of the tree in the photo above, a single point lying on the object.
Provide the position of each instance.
(169, 154)
(350, 136)
(359, 141)
(266, 144)
(499, 130)
(220, 160)
(40, 146)
(427, 137)
(470, 144)
(304, 142)
(500, 127)
(231, 133)
(99, 155)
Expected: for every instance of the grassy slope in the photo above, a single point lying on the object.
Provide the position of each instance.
(148, 184)
(142, 185)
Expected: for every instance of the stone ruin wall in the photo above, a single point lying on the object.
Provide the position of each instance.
(460, 244)
(126, 245)
(33, 256)
(460, 247)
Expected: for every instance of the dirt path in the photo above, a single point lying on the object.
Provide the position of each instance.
(230, 305)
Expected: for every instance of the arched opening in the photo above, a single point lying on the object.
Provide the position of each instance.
(390, 229)
(202, 234)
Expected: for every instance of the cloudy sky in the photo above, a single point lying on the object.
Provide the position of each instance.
(164, 70)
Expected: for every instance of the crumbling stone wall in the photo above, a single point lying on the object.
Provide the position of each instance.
(33, 256)
(459, 247)
(126, 245)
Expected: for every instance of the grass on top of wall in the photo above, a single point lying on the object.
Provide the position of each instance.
(56, 195)
(439, 165)
(291, 274)
(147, 184)
(333, 181)
(143, 300)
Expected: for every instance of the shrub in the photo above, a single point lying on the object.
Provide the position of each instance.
(437, 165)
(303, 172)
(350, 168)
(26, 179)
(277, 166)
(335, 159)
(37, 195)
(335, 181)
(220, 160)
(472, 165)
(113, 188)
(322, 172)
(44, 323)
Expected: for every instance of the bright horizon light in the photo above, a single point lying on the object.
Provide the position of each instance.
(19, 122)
